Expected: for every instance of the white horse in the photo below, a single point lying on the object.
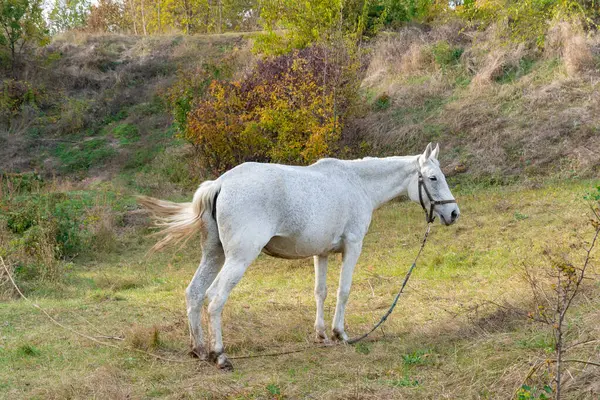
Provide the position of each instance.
(291, 212)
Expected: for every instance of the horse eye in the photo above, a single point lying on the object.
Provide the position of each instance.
(433, 178)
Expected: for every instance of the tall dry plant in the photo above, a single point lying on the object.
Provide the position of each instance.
(7, 290)
(555, 289)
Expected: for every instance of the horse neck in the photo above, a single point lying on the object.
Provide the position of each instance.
(385, 178)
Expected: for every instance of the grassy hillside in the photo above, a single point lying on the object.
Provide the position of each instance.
(96, 105)
(500, 108)
(93, 125)
(102, 104)
(447, 338)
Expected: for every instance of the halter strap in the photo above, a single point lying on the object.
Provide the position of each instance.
(429, 217)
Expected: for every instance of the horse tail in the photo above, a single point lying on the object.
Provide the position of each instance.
(179, 221)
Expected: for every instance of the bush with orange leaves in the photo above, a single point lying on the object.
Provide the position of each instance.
(289, 109)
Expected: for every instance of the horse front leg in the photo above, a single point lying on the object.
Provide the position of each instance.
(350, 257)
(320, 296)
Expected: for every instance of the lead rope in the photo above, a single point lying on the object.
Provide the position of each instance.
(406, 278)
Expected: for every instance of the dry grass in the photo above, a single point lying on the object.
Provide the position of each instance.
(104, 383)
(101, 222)
(446, 334)
(144, 338)
(405, 53)
(496, 63)
(568, 41)
(501, 109)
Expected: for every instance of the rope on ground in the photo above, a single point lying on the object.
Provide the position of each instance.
(83, 335)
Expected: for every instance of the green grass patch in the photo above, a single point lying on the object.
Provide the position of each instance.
(382, 102)
(445, 55)
(417, 357)
(28, 350)
(126, 133)
(80, 157)
(405, 381)
(512, 73)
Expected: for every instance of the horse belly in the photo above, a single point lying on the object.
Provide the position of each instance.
(294, 248)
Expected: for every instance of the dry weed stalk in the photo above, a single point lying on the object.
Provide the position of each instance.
(553, 301)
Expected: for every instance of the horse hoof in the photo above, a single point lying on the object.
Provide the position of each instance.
(224, 363)
(339, 336)
(220, 360)
(321, 337)
(198, 352)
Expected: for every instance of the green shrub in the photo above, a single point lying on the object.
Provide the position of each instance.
(525, 21)
(527, 392)
(39, 230)
(445, 55)
(14, 183)
(74, 115)
(54, 212)
(15, 96)
(382, 102)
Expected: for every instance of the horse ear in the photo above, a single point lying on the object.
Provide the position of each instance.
(427, 152)
(425, 156)
(436, 152)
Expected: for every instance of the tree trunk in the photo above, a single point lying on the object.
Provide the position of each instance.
(144, 20)
(208, 16)
(133, 18)
(13, 58)
(187, 16)
(158, 12)
(220, 15)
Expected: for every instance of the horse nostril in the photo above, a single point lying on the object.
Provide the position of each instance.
(454, 215)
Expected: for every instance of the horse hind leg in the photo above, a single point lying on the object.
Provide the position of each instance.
(210, 265)
(236, 263)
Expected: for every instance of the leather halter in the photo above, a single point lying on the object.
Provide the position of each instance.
(429, 217)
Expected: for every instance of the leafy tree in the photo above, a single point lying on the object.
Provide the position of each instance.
(305, 23)
(526, 20)
(21, 23)
(108, 16)
(316, 21)
(68, 14)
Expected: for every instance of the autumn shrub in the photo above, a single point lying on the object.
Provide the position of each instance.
(289, 108)
(191, 85)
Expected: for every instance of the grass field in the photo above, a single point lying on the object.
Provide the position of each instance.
(446, 340)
